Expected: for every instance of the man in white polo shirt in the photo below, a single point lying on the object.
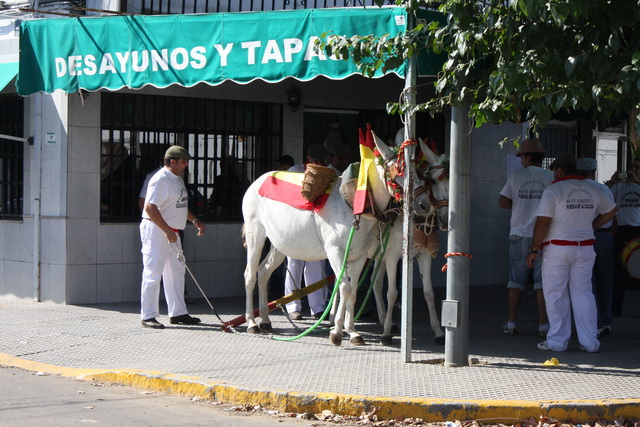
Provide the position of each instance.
(521, 194)
(570, 209)
(626, 192)
(165, 213)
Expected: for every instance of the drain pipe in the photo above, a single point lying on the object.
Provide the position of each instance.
(37, 152)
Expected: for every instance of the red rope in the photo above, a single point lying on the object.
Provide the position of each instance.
(444, 268)
(401, 164)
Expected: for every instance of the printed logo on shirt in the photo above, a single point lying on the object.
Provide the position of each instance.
(579, 199)
(532, 189)
(630, 200)
(183, 201)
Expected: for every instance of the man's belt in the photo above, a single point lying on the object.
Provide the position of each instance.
(175, 230)
(589, 242)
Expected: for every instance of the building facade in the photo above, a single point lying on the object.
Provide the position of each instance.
(73, 163)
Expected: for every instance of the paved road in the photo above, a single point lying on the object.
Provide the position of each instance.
(31, 398)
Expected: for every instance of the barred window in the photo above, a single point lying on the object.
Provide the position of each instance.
(11, 156)
(232, 143)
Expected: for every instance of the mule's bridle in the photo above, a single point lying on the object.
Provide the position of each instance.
(429, 183)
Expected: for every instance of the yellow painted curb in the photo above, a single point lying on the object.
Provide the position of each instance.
(430, 410)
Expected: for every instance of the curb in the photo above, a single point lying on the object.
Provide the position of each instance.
(430, 410)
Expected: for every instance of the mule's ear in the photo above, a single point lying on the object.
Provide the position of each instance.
(431, 157)
(386, 151)
(399, 137)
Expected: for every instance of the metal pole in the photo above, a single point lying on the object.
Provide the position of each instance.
(407, 220)
(37, 188)
(456, 306)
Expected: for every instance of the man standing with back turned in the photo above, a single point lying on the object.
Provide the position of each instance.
(521, 194)
(166, 213)
(570, 209)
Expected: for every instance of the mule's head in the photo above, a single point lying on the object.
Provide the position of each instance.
(436, 177)
(396, 182)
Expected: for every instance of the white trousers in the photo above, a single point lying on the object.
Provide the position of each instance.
(566, 283)
(313, 272)
(160, 260)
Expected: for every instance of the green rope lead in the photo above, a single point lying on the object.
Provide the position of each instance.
(383, 243)
(333, 294)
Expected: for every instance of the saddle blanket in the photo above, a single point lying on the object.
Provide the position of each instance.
(286, 187)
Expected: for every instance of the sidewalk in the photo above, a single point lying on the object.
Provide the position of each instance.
(506, 381)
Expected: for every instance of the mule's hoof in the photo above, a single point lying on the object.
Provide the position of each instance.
(440, 340)
(335, 339)
(357, 341)
(385, 340)
(395, 330)
(253, 330)
(266, 327)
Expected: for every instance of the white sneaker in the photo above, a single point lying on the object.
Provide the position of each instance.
(604, 330)
(507, 330)
(544, 346)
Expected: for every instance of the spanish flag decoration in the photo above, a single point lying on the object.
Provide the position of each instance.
(284, 187)
(367, 160)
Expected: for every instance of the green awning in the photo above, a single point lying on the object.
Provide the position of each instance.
(134, 51)
(7, 72)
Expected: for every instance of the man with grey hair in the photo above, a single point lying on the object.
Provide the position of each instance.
(165, 213)
(602, 278)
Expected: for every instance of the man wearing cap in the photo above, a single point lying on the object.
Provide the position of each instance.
(570, 209)
(521, 194)
(313, 271)
(602, 278)
(165, 214)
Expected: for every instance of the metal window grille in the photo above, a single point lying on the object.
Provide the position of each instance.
(153, 7)
(232, 143)
(386, 126)
(11, 157)
(557, 140)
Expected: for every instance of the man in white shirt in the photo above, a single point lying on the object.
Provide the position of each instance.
(570, 209)
(521, 194)
(313, 271)
(626, 193)
(165, 213)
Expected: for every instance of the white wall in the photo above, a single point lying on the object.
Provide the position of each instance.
(489, 223)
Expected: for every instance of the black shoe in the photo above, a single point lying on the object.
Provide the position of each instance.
(152, 323)
(185, 319)
(318, 315)
(295, 315)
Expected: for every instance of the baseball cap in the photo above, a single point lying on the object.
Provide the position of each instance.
(586, 164)
(530, 146)
(177, 152)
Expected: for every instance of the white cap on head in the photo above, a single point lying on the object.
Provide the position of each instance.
(586, 164)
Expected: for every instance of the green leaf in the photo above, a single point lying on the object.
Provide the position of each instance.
(569, 65)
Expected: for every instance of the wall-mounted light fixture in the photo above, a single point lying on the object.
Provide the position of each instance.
(294, 98)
